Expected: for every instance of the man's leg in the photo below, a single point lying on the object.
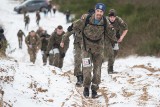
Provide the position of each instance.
(25, 25)
(44, 57)
(34, 54)
(20, 43)
(56, 57)
(30, 51)
(87, 69)
(111, 59)
(97, 64)
(77, 63)
(61, 62)
(51, 58)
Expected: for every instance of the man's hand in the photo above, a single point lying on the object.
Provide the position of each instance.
(70, 28)
(62, 55)
(62, 44)
(30, 46)
(122, 36)
(120, 39)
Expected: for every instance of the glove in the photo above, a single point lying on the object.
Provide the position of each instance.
(30, 46)
(116, 47)
(70, 28)
(42, 52)
(62, 55)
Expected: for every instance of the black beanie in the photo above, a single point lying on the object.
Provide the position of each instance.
(1, 30)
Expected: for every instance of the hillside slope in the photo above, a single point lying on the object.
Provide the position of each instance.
(25, 84)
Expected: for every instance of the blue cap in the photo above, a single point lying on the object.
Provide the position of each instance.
(100, 6)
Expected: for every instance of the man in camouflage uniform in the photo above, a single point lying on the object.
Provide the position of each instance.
(54, 9)
(38, 17)
(26, 21)
(50, 8)
(77, 54)
(3, 43)
(39, 31)
(67, 16)
(24, 13)
(121, 30)
(33, 43)
(44, 43)
(20, 35)
(92, 50)
(54, 48)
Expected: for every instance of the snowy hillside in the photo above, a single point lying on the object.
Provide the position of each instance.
(136, 85)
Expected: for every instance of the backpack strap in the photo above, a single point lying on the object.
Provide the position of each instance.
(83, 35)
(105, 25)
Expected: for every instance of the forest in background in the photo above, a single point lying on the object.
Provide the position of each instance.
(142, 17)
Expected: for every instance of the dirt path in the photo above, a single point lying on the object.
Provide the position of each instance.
(102, 101)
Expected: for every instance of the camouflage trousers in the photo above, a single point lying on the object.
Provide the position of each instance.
(111, 56)
(26, 26)
(95, 59)
(20, 42)
(55, 58)
(58, 61)
(44, 57)
(77, 59)
(32, 53)
(37, 21)
(3, 47)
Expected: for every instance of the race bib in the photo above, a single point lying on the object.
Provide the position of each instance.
(86, 62)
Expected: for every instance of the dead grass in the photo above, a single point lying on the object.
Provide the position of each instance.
(41, 90)
(49, 100)
(144, 96)
(54, 72)
(104, 93)
(127, 94)
(131, 80)
(147, 68)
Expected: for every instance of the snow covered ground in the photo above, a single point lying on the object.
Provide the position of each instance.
(136, 85)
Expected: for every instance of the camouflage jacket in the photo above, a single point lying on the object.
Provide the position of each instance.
(44, 41)
(38, 17)
(26, 19)
(119, 25)
(20, 34)
(54, 42)
(33, 40)
(94, 34)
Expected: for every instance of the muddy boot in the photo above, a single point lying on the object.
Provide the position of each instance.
(110, 70)
(94, 94)
(86, 92)
(79, 81)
